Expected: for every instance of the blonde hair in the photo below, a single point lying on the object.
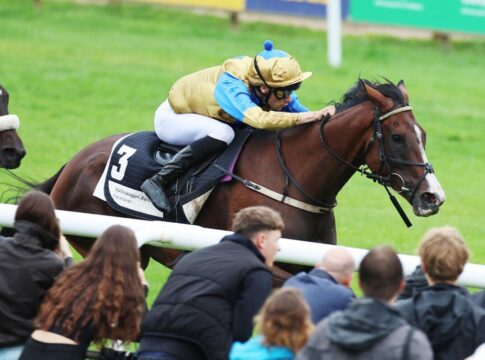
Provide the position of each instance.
(284, 320)
(443, 253)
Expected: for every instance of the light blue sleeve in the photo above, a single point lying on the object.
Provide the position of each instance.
(295, 105)
(233, 96)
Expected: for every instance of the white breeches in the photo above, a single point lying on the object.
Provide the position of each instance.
(183, 129)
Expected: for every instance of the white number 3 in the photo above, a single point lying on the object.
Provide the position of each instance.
(118, 171)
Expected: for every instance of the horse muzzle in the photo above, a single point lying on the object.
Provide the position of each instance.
(428, 203)
(10, 157)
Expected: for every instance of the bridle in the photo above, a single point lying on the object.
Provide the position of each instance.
(386, 161)
(9, 122)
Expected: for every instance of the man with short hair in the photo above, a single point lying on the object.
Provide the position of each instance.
(454, 324)
(370, 328)
(327, 287)
(212, 295)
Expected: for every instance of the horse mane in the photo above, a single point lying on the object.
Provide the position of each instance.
(357, 95)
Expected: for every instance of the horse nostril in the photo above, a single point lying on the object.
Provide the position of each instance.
(429, 198)
(13, 153)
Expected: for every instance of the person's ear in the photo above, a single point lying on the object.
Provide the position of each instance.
(423, 267)
(402, 285)
(264, 89)
(347, 280)
(259, 240)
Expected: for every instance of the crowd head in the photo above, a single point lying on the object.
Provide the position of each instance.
(104, 290)
(37, 208)
(381, 274)
(443, 254)
(263, 226)
(284, 320)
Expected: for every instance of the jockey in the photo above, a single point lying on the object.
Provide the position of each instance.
(259, 92)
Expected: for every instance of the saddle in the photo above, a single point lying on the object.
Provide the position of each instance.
(137, 157)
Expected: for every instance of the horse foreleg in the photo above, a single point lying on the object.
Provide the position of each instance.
(326, 231)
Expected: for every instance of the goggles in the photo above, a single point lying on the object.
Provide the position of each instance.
(283, 93)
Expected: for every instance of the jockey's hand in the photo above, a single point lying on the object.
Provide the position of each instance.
(311, 116)
(330, 110)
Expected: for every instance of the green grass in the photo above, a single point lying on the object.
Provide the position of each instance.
(79, 73)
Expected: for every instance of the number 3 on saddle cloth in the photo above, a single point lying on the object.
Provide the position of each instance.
(136, 157)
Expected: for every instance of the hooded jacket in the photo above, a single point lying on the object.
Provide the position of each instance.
(367, 329)
(254, 349)
(415, 282)
(454, 324)
(27, 271)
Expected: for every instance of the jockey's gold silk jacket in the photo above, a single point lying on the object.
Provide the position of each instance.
(223, 93)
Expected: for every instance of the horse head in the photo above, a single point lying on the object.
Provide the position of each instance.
(11, 148)
(396, 150)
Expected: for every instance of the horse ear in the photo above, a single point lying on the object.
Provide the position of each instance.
(404, 91)
(384, 103)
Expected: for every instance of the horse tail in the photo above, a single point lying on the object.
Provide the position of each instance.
(48, 185)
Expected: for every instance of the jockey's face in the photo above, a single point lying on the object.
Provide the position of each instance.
(277, 104)
(274, 103)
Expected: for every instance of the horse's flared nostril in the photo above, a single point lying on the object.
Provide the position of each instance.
(11, 153)
(430, 198)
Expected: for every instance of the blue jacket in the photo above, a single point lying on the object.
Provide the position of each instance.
(254, 349)
(322, 292)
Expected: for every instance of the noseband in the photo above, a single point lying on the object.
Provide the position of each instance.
(9, 122)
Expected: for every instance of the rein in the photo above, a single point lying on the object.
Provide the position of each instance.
(325, 207)
(384, 158)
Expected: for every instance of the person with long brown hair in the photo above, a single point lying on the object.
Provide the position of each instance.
(30, 261)
(99, 298)
(284, 324)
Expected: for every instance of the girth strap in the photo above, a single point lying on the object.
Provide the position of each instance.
(277, 196)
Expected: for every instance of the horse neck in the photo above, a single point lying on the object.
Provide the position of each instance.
(320, 173)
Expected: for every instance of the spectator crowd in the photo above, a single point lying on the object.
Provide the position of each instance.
(218, 302)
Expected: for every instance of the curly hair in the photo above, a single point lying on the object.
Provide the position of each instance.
(103, 292)
(284, 320)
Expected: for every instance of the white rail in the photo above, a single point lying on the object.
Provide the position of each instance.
(192, 237)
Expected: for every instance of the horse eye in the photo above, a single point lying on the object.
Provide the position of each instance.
(398, 139)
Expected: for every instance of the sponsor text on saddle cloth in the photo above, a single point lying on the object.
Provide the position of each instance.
(136, 157)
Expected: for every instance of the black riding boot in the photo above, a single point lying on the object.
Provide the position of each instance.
(155, 187)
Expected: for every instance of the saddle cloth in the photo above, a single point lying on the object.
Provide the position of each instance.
(136, 157)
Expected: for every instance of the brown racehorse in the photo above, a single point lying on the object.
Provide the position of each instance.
(11, 149)
(373, 126)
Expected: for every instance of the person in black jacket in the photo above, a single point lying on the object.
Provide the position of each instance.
(444, 311)
(29, 265)
(212, 295)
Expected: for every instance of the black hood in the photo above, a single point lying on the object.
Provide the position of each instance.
(440, 310)
(31, 234)
(362, 324)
